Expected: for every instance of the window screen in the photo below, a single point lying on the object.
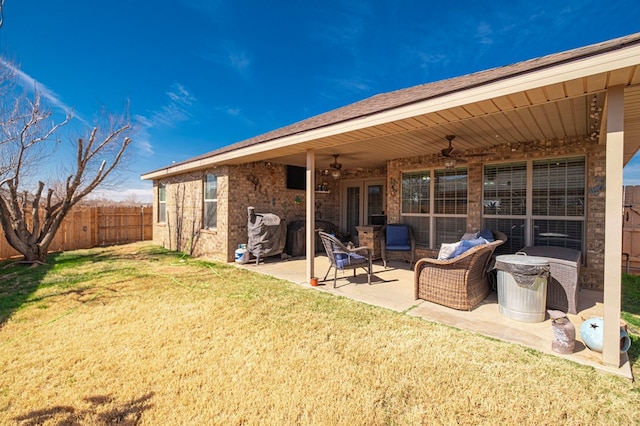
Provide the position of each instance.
(450, 191)
(210, 201)
(416, 187)
(559, 187)
(555, 216)
(505, 189)
(162, 203)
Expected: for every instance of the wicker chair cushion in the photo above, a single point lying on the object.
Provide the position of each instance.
(467, 244)
(349, 259)
(397, 247)
(397, 238)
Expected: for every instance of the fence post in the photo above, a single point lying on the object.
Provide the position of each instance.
(96, 225)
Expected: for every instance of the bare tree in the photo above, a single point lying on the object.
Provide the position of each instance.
(27, 140)
(131, 200)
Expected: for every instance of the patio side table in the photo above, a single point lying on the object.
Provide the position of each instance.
(369, 236)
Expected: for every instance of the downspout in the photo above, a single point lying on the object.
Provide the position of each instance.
(613, 225)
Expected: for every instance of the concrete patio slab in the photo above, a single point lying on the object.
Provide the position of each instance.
(392, 288)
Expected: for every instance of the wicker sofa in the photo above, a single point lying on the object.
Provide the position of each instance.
(459, 283)
(562, 287)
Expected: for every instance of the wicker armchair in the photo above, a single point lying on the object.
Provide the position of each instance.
(343, 258)
(459, 283)
(397, 242)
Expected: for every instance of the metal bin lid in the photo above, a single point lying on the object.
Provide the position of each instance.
(523, 260)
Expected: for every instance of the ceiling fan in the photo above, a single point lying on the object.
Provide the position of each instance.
(335, 165)
(449, 151)
(450, 154)
(335, 169)
(453, 155)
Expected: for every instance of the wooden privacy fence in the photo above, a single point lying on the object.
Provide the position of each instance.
(631, 229)
(86, 227)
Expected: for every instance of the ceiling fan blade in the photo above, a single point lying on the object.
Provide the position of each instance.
(479, 154)
(446, 152)
(458, 154)
(459, 160)
(455, 152)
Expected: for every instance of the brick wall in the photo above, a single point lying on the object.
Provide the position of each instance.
(182, 230)
(592, 275)
(263, 186)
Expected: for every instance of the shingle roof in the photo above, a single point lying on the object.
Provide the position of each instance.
(386, 101)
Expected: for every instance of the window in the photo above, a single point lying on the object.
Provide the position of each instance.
(162, 203)
(536, 203)
(434, 204)
(416, 194)
(504, 203)
(416, 189)
(558, 202)
(450, 205)
(210, 201)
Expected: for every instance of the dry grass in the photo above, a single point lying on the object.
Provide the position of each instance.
(136, 335)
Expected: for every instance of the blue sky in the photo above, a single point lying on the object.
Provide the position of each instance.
(201, 74)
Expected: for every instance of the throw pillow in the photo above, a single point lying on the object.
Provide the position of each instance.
(447, 250)
(487, 235)
(470, 236)
(467, 244)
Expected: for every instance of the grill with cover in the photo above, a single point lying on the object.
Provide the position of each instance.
(267, 234)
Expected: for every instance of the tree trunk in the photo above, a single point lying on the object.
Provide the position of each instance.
(35, 254)
(32, 251)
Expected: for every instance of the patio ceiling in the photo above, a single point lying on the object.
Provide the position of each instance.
(554, 112)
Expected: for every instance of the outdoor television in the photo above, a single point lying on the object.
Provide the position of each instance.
(296, 177)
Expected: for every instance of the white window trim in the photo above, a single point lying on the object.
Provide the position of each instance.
(209, 200)
(162, 203)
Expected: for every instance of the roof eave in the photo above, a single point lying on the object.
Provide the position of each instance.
(594, 63)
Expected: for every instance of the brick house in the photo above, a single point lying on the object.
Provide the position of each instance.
(542, 141)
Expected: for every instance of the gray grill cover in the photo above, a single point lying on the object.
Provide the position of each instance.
(297, 236)
(267, 234)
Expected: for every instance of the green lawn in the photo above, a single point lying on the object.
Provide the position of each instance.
(631, 315)
(138, 335)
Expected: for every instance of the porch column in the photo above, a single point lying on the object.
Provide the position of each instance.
(311, 216)
(613, 225)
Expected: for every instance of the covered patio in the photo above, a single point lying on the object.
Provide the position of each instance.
(392, 288)
(542, 147)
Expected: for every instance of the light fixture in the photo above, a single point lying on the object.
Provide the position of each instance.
(449, 162)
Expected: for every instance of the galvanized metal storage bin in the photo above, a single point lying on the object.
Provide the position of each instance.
(522, 286)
